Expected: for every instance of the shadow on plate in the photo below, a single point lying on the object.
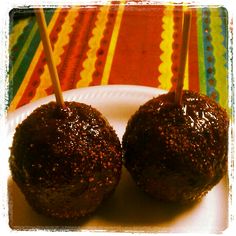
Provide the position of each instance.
(129, 207)
(126, 208)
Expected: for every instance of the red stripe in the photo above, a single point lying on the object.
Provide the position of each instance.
(76, 51)
(137, 54)
(34, 81)
(193, 55)
(104, 46)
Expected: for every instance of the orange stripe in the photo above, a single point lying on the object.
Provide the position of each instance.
(76, 51)
(137, 54)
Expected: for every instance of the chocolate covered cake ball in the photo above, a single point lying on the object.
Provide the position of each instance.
(177, 153)
(66, 161)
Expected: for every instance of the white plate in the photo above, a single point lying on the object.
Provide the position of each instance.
(128, 209)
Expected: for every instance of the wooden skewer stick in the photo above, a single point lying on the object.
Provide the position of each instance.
(183, 56)
(49, 56)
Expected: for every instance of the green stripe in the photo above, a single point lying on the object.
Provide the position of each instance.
(16, 50)
(24, 59)
(201, 63)
(24, 50)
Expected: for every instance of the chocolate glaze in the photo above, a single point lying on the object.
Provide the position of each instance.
(65, 160)
(177, 153)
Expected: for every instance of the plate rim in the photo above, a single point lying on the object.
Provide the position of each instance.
(93, 91)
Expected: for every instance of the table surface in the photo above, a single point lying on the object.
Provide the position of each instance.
(118, 44)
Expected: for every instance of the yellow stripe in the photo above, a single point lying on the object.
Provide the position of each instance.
(66, 29)
(94, 45)
(112, 46)
(220, 61)
(16, 32)
(186, 78)
(186, 75)
(166, 47)
(23, 51)
(31, 67)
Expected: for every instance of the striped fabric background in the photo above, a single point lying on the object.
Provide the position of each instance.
(119, 44)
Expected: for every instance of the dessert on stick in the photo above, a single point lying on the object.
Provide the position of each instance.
(175, 145)
(65, 156)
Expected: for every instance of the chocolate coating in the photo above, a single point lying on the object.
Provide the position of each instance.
(65, 161)
(177, 153)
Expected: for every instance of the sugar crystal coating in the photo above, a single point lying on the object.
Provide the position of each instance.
(66, 161)
(177, 153)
